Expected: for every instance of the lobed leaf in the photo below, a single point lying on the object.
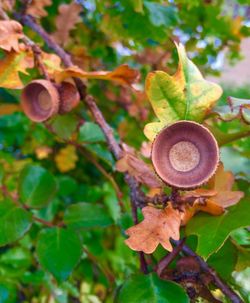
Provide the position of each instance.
(184, 96)
(10, 33)
(123, 74)
(157, 228)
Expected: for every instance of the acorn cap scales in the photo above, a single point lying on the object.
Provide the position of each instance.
(185, 155)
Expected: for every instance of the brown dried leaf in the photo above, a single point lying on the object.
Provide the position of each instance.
(222, 183)
(213, 200)
(139, 169)
(36, 8)
(157, 228)
(123, 74)
(10, 32)
(7, 5)
(11, 65)
(66, 21)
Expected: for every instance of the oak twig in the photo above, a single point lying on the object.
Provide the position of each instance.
(165, 261)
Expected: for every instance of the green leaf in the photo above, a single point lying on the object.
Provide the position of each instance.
(58, 251)
(212, 231)
(37, 186)
(224, 260)
(101, 153)
(7, 292)
(64, 126)
(86, 215)
(91, 133)
(161, 15)
(14, 222)
(150, 289)
(184, 96)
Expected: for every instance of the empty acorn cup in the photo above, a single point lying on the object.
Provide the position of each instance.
(185, 155)
(40, 100)
(69, 97)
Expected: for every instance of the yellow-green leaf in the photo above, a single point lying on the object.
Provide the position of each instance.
(11, 65)
(184, 96)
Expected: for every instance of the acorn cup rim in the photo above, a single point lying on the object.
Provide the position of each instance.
(26, 100)
(205, 179)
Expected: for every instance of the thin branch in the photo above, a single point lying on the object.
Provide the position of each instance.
(165, 261)
(216, 279)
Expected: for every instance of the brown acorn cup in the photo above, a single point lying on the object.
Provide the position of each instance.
(69, 97)
(185, 155)
(40, 100)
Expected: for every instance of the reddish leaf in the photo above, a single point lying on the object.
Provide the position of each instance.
(66, 21)
(157, 228)
(36, 8)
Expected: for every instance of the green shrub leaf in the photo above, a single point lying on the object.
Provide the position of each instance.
(37, 186)
(58, 251)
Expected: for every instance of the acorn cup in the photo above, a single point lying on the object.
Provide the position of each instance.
(185, 155)
(69, 97)
(40, 100)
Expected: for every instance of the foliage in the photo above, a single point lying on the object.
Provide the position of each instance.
(66, 210)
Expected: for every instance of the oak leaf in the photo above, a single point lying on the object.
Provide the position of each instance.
(10, 32)
(158, 226)
(11, 65)
(136, 167)
(52, 62)
(36, 8)
(66, 21)
(184, 96)
(215, 199)
(7, 5)
(123, 74)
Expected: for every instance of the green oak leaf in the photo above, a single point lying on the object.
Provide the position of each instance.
(184, 96)
(87, 215)
(14, 222)
(150, 289)
(58, 251)
(37, 186)
(212, 231)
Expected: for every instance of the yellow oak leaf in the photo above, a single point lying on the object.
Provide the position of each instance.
(158, 226)
(10, 33)
(66, 158)
(36, 8)
(66, 21)
(123, 74)
(184, 96)
(11, 65)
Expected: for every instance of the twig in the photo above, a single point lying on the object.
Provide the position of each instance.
(216, 279)
(165, 261)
